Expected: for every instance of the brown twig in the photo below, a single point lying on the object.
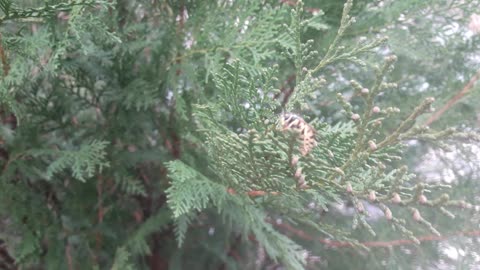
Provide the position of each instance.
(454, 99)
(68, 254)
(254, 193)
(3, 57)
(101, 211)
(100, 215)
(380, 244)
(257, 193)
(286, 90)
(8, 262)
(232, 252)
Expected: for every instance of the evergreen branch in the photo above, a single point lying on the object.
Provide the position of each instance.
(14, 13)
(218, 111)
(190, 190)
(5, 6)
(231, 50)
(298, 28)
(121, 262)
(137, 242)
(407, 123)
(82, 162)
(333, 49)
(363, 122)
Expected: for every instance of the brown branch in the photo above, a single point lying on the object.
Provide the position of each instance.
(101, 211)
(8, 262)
(233, 252)
(289, 92)
(254, 193)
(100, 215)
(68, 254)
(381, 244)
(286, 89)
(3, 57)
(257, 193)
(454, 99)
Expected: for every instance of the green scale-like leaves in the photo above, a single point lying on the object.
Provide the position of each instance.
(83, 162)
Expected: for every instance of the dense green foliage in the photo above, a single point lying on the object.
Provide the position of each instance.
(148, 134)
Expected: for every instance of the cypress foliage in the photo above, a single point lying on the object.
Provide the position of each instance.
(222, 134)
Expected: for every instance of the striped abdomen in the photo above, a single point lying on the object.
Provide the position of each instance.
(306, 133)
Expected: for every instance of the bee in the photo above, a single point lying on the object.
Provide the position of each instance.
(306, 133)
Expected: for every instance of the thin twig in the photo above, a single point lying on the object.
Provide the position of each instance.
(381, 244)
(254, 193)
(100, 215)
(286, 90)
(68, 254)
(454, 99)
(3, 57)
